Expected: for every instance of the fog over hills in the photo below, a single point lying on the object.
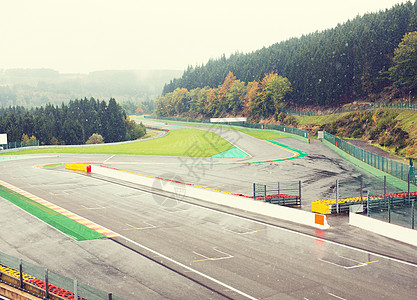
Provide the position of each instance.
(35, 87)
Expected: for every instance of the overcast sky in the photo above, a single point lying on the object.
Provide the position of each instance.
(89, 35)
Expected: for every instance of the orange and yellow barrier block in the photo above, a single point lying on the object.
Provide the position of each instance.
(78, 167)
(324, 206)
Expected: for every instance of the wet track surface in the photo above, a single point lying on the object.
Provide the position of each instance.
(169, 249)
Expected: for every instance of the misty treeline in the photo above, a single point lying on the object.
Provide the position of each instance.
(233, 97)
(70, 124)
(347, 62)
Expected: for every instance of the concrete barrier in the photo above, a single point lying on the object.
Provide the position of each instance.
(393, 231)
(271, 210)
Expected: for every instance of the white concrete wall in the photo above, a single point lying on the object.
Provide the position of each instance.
(271, 210)
(389, 230)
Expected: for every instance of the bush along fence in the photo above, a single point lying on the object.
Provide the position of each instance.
(350, 109)
(286, 129)
(44, 283)
(281, 193)
(392, 167)
(12, 145)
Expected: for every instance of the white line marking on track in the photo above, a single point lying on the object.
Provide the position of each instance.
(336, 296)
(189, 268)
(299, 233)
(206, 258)
(109, 158)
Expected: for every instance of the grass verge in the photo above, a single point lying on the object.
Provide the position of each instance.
(179, 142)
(71, 228)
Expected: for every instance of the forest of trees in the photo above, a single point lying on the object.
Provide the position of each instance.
(342, 64)
(69, 124)
(233, 97)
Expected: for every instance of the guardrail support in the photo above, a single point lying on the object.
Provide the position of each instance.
(75, 289)
(337, 196)
(46, 284)
(21, 273)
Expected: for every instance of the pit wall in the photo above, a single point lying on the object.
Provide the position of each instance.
(270, 210)
(396, 232)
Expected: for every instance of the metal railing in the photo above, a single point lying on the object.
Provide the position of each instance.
(45, 283)
(12, 145)
(281, 193)
(392, 167)
(350, 109)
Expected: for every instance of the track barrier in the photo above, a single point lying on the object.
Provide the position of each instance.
(43, 283)
(396, 232)
(78, 167)
(218, 197)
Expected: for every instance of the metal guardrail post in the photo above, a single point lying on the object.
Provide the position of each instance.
(299, 190)
(367, 204)
(265, 192)
(412, 214)
(389, 209)
(337, 196)
(21, 273)
(46, 284)
(361, 190)
(254, 191)
(75, 289)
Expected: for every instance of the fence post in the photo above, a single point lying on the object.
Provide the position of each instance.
(265, 192)
(75, 289)
(110, 296)
(254, 192)
(389, 209)
(46, 284)
(299, 190)
(278, 193)
(367, 204)
(361, 190)
(412, 214)
(385, 190)
(337, 195)
(21, 273)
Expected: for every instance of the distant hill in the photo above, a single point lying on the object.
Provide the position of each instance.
(325, 68)
(36, 87)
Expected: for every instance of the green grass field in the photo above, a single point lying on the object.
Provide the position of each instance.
(179, 142)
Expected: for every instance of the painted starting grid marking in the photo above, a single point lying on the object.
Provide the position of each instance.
(62, 211)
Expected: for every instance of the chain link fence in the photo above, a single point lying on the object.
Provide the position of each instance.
(392, 167)
(12, 145)
(366, 106)
(281, 193)
(45, 283)
(399, 209)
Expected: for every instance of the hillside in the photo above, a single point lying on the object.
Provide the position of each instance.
(393, 130)
(36, 87)
(325, 68)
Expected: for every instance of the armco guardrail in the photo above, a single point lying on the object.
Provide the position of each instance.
(226, 199)
(286, 129)
(386, 165)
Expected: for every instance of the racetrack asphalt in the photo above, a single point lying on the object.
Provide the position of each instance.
(168, 249)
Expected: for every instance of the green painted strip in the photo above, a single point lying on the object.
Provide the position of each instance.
(301, 153)
(234, 152)
(374, 171)
(64, 224)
